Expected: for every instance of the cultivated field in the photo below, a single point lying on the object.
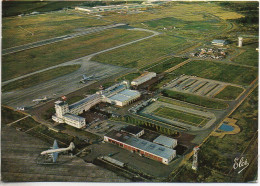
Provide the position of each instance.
(15, 65)
(219, 71)
(21, 30)
(185, 117)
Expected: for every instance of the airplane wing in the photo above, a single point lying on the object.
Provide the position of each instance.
(55, 145)
(55, 156)
(84, 77)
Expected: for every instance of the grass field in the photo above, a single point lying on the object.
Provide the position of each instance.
(16, 30)
(229, 93)
(142, 53)
(197, 100)
(163, 65)
(249, 57)
(219, 71)
(129, 77)
(15, 65)
(185, 117)
(9, 116)
(25, 124)
(39, 78)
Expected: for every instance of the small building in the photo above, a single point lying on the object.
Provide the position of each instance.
(133, 130)
(219, 42)
(140, 146)
(165, 141)
(143, 78)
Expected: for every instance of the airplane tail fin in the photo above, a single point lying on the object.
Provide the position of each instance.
(72, 146)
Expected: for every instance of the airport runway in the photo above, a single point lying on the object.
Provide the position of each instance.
(88, 57)
(57, 39)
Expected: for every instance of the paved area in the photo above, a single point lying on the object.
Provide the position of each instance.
(20, 151)
(197, 85)
(61, 85)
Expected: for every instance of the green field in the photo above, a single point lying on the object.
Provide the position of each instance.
(129, 77)
(39, 78)
(197, 100)
(229, 93)
(249, 57)
(9, 116)
(18, 30)
(165, 64)
(15, 65)
(25, 124)
(185, 117)
(142, 53)
(219, 71)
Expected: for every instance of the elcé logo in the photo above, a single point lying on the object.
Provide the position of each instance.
(240, 163)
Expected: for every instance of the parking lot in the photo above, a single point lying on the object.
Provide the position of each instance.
(196, 85)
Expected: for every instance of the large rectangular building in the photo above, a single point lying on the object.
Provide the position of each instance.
(140, 146)
(143, 78)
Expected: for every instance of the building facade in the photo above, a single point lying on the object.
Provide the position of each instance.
(143, 78)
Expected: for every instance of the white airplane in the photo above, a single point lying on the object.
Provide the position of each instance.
(55, 150)
(87, 78)
(39, 100)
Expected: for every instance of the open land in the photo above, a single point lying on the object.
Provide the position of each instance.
(189, 98)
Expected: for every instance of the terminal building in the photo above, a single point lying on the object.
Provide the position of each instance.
(140, 146)
(118, 94)
(143, 78)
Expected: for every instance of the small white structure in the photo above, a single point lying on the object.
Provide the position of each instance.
(143, 78)
(166, 141)
(195, 158)
(240, 41)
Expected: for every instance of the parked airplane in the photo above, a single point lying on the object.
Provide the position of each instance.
(55, 150)
(39, 100)
(88, 78)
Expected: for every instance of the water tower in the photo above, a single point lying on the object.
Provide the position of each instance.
(240, 41)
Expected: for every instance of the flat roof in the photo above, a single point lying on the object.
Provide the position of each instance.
(164, 140)
(132, 129)
(218, 41)
(87, 99)
(73, 116)
(143, 76)
(125, 95)
(142, 144)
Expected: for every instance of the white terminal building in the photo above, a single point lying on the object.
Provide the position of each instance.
(143, 78)
(118, 94)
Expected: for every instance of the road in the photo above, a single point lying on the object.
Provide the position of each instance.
(57, 39)
(88, 57)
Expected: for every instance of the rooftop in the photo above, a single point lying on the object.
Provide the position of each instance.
(87, 99)
(142, 144)
(125, 95)
(73, 116)
(164, 140)
(132, 129)
(219, 41)
(144, 75)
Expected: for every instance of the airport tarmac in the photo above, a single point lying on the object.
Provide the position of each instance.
(61, 85)
(197, 85)
(20, 151)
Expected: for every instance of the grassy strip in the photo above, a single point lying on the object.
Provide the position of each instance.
(142, 53)
(39, 78)
(28, 61)
(222, 72)
(25, 124)
(229, 93)
(197, 100)
(8, 115)
(74, 99)
(169, 63)
(170, 113)
(175, 102)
